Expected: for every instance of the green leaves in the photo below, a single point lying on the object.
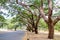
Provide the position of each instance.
(56, 14)
(37, 2)
(43, 25)
(57, 26)
(2, 19)
(3, 1)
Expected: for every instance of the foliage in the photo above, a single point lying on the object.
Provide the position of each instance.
(43, 25)
(57, 26)
(2, 19)
(2, 2)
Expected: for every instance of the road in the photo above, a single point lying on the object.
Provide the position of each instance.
(15, 35)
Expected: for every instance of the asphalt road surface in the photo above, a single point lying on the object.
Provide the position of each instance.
(16, 35)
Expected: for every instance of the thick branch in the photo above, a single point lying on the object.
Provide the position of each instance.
(50, 11)
(56, 20)
(42, 12)
(50, 8)
(37, 21)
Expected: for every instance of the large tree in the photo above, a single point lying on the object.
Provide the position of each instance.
(50, 21)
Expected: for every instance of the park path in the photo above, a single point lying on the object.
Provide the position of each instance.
(15, 35)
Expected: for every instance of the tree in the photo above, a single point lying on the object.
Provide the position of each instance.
(49, 20)
(27, 16)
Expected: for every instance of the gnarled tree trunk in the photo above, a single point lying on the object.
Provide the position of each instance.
(51, 31)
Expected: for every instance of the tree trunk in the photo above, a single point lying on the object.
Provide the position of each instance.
(51, 31)
(36, 30)
(15, 29)
(32, 29)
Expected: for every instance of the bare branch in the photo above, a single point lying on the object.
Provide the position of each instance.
(42, 12)
(50, 9)
(56, 20)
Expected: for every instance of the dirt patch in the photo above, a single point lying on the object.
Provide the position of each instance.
(40, 36)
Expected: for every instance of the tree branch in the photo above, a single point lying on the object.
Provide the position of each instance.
(32, 18)
(50, 8)
(42, 12)
(50, 11)
(37, 21)
(56, 20)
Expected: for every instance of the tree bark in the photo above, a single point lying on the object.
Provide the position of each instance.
(36, 30)
(51, 31)
(50, 21)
